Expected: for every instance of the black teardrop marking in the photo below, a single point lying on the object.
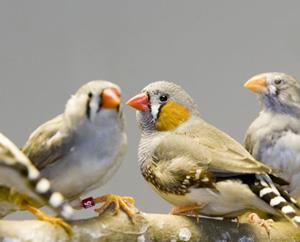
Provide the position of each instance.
(88, 109)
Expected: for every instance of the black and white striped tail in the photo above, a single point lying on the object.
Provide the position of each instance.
(277, 198)
(55, 200)
(13, 158)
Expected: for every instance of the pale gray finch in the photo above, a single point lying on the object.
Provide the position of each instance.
(274, 136)
(82, 148)
(23, 187)
(195, 166)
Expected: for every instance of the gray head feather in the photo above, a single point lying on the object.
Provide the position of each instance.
(155, 90)
(96, 86)
(283, 95)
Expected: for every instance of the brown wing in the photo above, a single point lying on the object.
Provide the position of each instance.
(48, 143)
(212, 148)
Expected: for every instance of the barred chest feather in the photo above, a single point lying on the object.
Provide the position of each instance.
(148, 143)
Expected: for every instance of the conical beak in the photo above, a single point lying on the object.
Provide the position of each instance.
(257, 83)
(110, 98)
(139, 102)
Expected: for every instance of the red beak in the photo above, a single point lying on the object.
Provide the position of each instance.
(139, 102)
(111, 98)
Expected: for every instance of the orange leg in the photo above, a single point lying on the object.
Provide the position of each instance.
(185, 210)
(123, 203)
(266, 224)
(44, 217)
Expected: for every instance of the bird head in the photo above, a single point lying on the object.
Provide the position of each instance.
(95, 101)
(162, 106)
(277, 91)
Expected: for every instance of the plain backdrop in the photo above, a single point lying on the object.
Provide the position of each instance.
(48, 49)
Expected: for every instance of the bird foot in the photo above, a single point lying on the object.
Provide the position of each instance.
(51, 219)
(266, 224)
(126, 204)
(187, 209)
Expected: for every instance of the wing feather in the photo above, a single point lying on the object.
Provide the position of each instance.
(248, 143)
(211, 148)
(48, 143)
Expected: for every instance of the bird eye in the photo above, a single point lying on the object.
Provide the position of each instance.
(163, 98)
(278, 81)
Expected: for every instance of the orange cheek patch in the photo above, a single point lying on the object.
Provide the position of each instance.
(171, 116)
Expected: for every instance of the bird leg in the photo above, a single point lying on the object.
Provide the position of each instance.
(44, 217)
(236, 220)
(120, 202)
(266, 224)
(185, 210)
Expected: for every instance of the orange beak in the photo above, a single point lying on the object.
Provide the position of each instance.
(257, 83)
(139, 102)
(110, 98)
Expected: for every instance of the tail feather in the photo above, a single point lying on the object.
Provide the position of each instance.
(56, 200)
(277, 198)
(12, 158)
(286, 195)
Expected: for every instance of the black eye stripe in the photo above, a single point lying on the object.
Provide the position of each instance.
(88, 109)
(149, 102)
(159, 110)
(100, 102)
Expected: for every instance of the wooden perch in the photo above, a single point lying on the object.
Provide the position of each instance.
(146, 227)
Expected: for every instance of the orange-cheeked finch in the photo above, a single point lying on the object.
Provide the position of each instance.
(195, 166)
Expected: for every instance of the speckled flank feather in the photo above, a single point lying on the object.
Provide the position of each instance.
(197, 178)
(12, 158)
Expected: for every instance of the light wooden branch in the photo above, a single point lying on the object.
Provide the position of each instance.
(146, 227)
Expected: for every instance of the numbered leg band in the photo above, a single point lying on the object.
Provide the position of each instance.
(88, 202)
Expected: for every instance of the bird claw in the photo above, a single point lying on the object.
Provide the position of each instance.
(123, 203)
(266, 224)
(44, 217)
